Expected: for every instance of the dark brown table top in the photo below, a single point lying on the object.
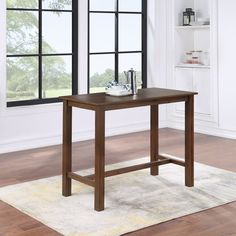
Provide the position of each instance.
(145, 97)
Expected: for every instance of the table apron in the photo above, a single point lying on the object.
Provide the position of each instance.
(119, 106)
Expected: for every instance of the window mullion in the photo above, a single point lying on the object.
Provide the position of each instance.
(88, 48)
(144, 43)
(40, 51)
(75, 47)
(117, 41)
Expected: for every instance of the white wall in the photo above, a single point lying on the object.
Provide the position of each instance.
(227, 64)
(35, 126)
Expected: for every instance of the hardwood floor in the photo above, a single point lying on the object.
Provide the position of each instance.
(39, 163)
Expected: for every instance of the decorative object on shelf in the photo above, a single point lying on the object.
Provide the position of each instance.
(196, 23)
(185, 18)
(115, 89)
(203, 21)
(200, 22)
(196, 60)
(197, 57)
(189, 58)
(206, 58)
(188, 16)
(131, 80)
(189, 19)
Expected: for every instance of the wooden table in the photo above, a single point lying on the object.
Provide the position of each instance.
(100, 103)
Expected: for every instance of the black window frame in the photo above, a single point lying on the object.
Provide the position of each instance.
(40, 55)
(117, 52)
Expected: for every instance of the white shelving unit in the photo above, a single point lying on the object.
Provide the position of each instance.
(193, 77)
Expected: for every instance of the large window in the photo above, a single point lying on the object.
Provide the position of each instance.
(42, 43)
(117, 41)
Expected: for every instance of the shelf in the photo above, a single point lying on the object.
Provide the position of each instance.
(192, 27)
(192, 66)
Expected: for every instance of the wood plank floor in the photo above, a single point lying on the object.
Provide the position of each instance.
(34, 164)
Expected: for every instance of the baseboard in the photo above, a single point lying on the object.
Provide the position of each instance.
(213, 131)
(37, 142)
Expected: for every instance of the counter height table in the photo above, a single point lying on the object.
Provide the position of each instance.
(100, 103)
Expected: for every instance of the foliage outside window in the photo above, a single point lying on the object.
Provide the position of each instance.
(41, 50)
(117, 41)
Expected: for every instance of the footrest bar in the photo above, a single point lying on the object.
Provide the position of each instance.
(133, 168)
(172, 160)
(82, 179)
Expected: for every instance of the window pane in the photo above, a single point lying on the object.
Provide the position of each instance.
(22, 78)
(102, 69)
(130, 32)
(22, 4)
(57, 4)
(57, 76)
(22, 32)
(130, 5)
(128, 61)
(102, 32)
(57, 32)
(104, 5)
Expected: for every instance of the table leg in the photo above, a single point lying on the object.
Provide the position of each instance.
(67, 162)
(189, 142)
(99, 159)
(154, 132)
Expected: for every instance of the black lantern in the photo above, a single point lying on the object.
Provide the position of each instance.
(188, 16)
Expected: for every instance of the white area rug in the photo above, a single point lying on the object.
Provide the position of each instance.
(133, 201)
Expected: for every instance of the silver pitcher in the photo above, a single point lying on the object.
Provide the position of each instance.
(131, 80)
